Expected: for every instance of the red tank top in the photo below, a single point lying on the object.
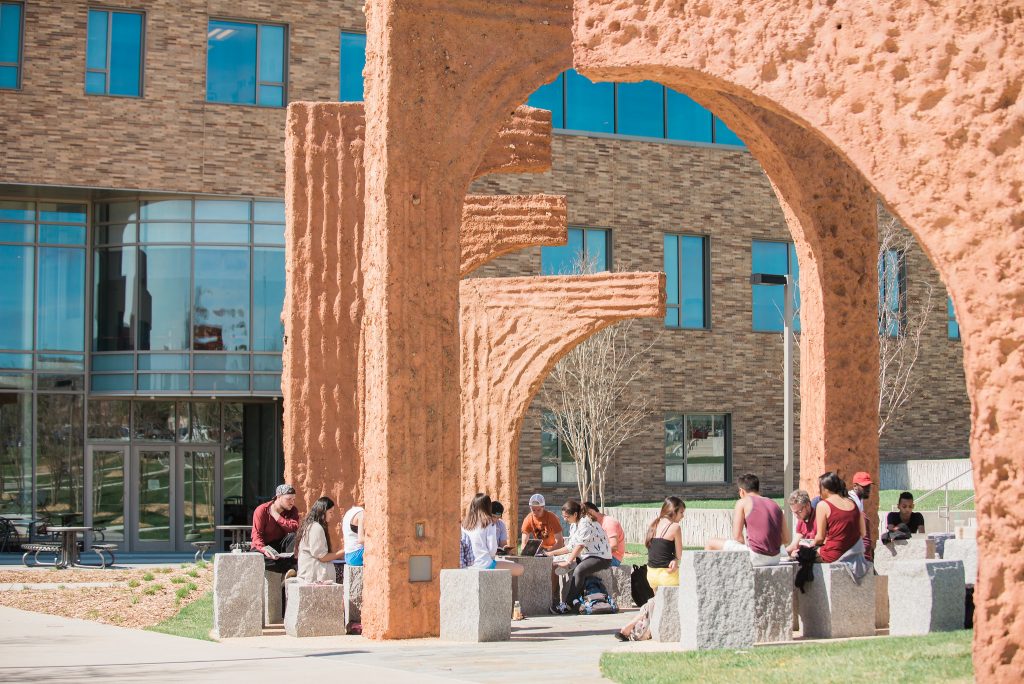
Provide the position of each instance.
(764, 526)
(842, 531)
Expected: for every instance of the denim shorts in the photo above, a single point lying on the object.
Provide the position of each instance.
(354, 558)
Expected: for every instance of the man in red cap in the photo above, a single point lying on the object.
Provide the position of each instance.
(860, 492)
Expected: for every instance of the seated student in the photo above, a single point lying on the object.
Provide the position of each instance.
(479, 527)
(274, 525)
(613, 529)
(542, 524)
(839, 523)
(767, 529)
(315, 558)
(861, 492)
(353, 531)
(905, 519)
(588, 551)
(498, 510)
(465, 551)
(803, 507)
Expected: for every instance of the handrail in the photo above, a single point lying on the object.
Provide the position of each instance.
(945, 508)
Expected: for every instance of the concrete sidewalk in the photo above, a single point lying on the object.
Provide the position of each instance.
(47, 648)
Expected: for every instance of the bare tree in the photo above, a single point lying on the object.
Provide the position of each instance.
(594, 399)
(901, 323)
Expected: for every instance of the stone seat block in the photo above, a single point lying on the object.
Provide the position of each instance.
(916, 548)
(940, 541)
(533, 587)
(965, 550)
(926, 596)
(773, 603)
(314, 610)
(476, 605)
(237, 595)
(353, 593)
(716, 600)
(622, 591)
(665, 614)
(273, 590)
(881, 601)
(833, 604)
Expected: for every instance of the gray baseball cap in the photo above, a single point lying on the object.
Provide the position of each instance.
(284, 490)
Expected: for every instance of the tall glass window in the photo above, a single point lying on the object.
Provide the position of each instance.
(685, 119)
(60, 458)
(587, 251)
(220, 307)
(892, 292)
(952, 327)
(353, 60)
(698, 447)
(768, 302)
(245, 63)
(640, 109)
(268, 299)
(687, 282)
(589, 106)
(551, 96)
(114, 53)
(10, 44)
(15, 453)
(556, 462)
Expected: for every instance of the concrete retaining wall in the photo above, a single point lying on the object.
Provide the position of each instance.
(926, 474)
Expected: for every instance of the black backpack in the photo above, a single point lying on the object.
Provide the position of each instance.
(639, 587)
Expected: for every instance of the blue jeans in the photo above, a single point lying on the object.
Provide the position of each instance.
(616, 562)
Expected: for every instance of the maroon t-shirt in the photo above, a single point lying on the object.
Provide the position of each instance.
(764, 526)
(266, 530)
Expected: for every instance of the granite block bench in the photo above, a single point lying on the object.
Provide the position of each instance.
(773, 603)
(314, 610)
(918, 547)
(926, 596)
(353, 581)
(834, 605)
(965, 550)
(665, 614)
(238, 594)
(533, 588)
(476, 605)
(273, 599)
(716, 600)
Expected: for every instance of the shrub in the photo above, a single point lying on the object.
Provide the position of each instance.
(178, 580)
(133, 583)
(148, 577)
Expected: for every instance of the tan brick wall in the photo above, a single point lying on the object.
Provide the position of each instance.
(173, 140)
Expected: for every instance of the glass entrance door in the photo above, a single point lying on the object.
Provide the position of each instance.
(106, 476)
(153, 498)
(200, 494)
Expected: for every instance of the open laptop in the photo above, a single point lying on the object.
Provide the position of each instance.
(530, 548)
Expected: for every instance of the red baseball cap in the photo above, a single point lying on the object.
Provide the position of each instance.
(862, 479)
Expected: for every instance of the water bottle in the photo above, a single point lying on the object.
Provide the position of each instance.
(517, 611)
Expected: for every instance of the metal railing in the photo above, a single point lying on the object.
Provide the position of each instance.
(944, 488)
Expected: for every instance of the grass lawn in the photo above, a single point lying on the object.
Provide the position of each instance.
(193, 621)
(887, 501)
(943, 657)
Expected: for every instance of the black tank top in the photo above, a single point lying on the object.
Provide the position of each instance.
(661, 551)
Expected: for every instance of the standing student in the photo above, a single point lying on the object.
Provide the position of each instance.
(313, 540)
(353, 530)
(482, 532)
(766, 528)
(588, 551)
(613, 530)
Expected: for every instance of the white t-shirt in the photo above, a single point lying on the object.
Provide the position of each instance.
(351, 538)
(856, 500)
(312, 547)
(593, 538)
(484, 541)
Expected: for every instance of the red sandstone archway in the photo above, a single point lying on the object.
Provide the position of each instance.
(923, 101)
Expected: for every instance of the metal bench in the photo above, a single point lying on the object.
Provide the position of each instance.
(36, 549)
(201, 548)
(108, 549)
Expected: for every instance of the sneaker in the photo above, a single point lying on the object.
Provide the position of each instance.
(621, 637)
(291, 573)
(560, 609)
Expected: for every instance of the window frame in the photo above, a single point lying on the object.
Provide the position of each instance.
(20, 64)
(341, 63)
(706, 256)
(110, 38)
(286, 49)
(608, 255)
(563, 455)
(791, 256)
(727, 461)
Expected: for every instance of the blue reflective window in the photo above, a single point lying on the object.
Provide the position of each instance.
(586, 252)
(266, 383)
(724, 135)
(62, 235)
(892, 292)
(685, 119)
(551, 97)
(10, 44)
(952, 327)
(686, 267)
(17, 211)
(164, 298)
(220, 310)
(162, 382)
(58, 212)
(115, 306)
(221, 382)
(589, 106)
(268, 299)
(121, 382)
(61, 299)
(16, 293)
(353, 60)
(641, 109)
(114, 55)
(246, 63)
(768, 301)
(17, 232)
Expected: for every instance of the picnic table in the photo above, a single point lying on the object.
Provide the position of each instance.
(239, 535)
(69, 544)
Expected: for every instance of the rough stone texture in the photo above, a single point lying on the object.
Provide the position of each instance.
(314, 609)
(493, 225)
(965, 550)
(834, 606)
(514, 330)
(716, 600)
(533, 587)
(622, 586)
(918, 547)
(476, 605)
(237, 593)
(881, 601)
(773, 603)
(353, 593)
(523, 145)
(665, 624)
(887, 87)
(926, 596)
(273, 595)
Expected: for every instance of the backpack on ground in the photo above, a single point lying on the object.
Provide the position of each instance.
(639, 587)
(596, 599)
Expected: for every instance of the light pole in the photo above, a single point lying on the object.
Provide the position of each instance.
(787, 372)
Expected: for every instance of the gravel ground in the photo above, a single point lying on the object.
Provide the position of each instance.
(151, 601)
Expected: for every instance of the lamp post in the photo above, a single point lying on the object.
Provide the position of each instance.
(787, 372)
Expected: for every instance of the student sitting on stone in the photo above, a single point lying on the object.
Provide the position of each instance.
(353, 531)
(274, 524)
(588, 552)
(316, 560)
(766, 527)
(498, 510)
(542, 524)
(613, 530)
(904, 522)
(840, 526)
(479, 527)
(803, 508)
